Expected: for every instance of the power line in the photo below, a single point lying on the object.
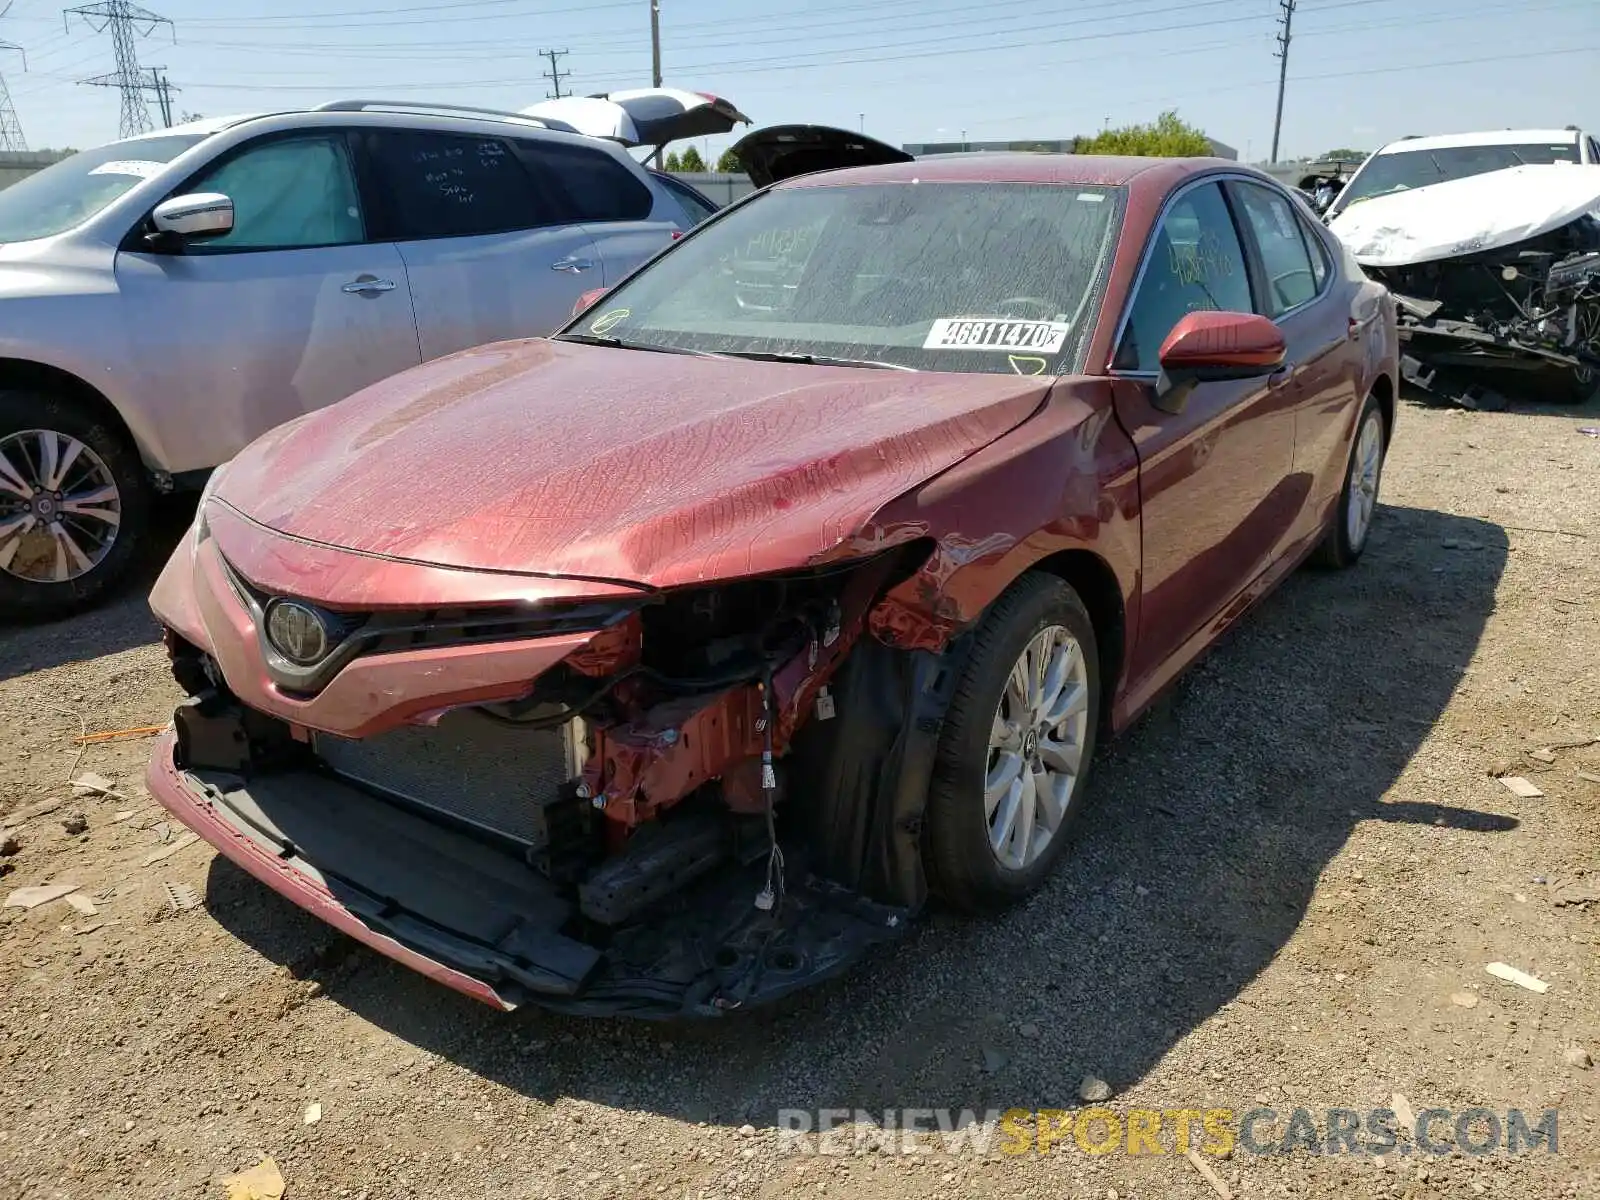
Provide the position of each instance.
(1410, 66)
(126, 22)
(554, 76)
(10, 128)
(1287, 21)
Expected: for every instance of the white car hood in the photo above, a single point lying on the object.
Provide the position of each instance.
(1464, 216)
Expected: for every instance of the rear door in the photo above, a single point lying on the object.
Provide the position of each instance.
(1296, 276)
(490, 254)
(627, 219)
(295, 309)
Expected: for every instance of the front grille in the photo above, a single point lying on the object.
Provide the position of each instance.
(469, 767)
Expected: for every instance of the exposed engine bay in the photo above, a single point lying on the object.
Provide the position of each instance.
(1531, 307)
(624, 820)
(1497, 282)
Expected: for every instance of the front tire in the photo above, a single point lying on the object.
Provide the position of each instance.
(1014, 755)
(74, 505)
(1347, 536)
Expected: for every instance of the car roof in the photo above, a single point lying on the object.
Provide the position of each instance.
(1488, 137)
(1085, 170)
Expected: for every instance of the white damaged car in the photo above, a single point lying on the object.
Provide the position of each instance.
(1496, 271)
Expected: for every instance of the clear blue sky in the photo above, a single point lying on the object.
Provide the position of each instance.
(1361, 71)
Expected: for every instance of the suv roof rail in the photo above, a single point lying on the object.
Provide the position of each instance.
(429, 106)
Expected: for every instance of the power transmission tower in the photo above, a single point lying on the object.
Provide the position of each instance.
(554, 76)
(10, 128)
(655, 43)
(126, 21)
(1282, 52)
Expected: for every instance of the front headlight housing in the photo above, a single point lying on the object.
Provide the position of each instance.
(201, 529)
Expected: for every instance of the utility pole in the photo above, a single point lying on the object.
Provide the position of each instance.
(554, 76)
(163, 89)
(655, 43)
(1286, 20)
(10, 128)
(126, 21)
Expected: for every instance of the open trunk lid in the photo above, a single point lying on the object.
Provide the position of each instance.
(781, 152)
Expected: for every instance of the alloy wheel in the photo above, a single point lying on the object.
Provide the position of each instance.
(1036, 747)
(1366, 469)
(60, 509)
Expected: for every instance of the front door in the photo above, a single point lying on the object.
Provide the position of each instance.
(1215, 479)
(291, 311)
(490, 254)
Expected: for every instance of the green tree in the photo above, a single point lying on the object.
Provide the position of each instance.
(1168, 137)
(1344, 156)
(729, 163)
(673, 162)
(692, 161)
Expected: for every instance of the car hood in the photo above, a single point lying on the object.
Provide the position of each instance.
(552, 458)
(1466, 216)
(781, 152)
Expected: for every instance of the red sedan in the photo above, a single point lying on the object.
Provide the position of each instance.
(675, 662)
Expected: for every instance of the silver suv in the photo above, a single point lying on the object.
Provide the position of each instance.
(167, 298)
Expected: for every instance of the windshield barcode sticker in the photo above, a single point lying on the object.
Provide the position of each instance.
(957, 333)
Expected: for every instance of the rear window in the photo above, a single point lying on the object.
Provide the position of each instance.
(597, 187)
(68, 193)
(1400, 170)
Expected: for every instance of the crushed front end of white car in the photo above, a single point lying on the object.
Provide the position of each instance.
(1493, 273)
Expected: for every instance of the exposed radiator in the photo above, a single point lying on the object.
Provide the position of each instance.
(477, 770)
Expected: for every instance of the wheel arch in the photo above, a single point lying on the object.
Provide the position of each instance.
(1383, 388)
(1096, 584)
(19, 374)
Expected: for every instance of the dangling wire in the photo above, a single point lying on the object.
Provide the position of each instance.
(771, 896)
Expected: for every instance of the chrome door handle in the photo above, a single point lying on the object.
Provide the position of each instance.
(366, 285)
(572, 265)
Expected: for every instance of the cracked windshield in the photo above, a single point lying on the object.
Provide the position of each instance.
(949, 277)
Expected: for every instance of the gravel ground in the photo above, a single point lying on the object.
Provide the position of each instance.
(1294, 875)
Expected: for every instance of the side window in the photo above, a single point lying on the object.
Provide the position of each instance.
(1196, 264)
(1320, 266)
(696, 208)
(287, 194)
(1284, 257)
(1594, 151)
(454, 185)
(597, 187)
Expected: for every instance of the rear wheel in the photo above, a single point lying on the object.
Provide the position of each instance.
(73, 505)
(1358, 500)
(1014, 755)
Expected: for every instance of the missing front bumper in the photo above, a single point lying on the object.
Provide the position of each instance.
(475, 917)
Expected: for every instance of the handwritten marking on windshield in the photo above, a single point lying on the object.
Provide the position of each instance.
(607, 321)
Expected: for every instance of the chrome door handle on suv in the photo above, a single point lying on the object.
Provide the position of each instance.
(368, 285)
(572, 265)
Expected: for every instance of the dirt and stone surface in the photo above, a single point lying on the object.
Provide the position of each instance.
(1294, 875)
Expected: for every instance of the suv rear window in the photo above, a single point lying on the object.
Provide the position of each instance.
(597, 187)
(454, 185)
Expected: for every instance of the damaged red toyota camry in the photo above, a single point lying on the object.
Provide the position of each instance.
(679, 660)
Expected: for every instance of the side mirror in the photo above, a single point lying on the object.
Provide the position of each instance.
(200, 215)
(1206, 347)
(588, 299)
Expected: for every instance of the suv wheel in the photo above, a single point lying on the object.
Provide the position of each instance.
(73, 505)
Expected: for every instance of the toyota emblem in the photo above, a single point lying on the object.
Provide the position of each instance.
(297, 631)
